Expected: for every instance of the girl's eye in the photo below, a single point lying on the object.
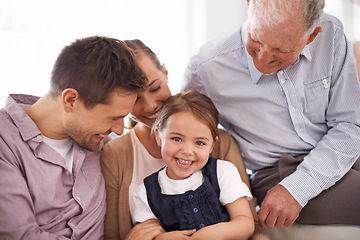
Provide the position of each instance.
(200, 143)
(176, 139)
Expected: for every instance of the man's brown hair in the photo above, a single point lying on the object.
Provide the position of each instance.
(96, 66)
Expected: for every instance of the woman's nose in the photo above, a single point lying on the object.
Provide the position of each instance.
(149, 103)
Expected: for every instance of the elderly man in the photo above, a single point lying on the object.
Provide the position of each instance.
(286, 88)
(50, 177)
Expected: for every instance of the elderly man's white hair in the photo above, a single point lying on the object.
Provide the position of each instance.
(278, 11)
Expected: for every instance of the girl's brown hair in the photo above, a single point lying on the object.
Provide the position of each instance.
(199, 104)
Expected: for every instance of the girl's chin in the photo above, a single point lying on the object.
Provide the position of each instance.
(179, 176)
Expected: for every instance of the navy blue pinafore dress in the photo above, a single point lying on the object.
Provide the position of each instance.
(192, 209)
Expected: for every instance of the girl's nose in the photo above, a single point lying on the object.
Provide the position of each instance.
(188, 149)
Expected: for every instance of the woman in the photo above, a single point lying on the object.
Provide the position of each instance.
(128, 159)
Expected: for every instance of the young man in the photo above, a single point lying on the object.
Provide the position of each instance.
(50, 177)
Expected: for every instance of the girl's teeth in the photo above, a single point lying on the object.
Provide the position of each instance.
(182, 161)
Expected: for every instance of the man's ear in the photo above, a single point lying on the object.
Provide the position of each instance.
(313, 35)
(69, 97)
(157, 136)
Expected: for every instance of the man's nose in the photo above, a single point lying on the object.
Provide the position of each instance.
(118, 126)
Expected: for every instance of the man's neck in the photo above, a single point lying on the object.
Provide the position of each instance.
(47, 115)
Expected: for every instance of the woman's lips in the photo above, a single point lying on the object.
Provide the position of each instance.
(153, 116)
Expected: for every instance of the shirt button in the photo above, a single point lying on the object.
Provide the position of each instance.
(195, 210)
(191, 196)
(293, 109)
(72, 225)
(201, 225)
(39, 137)
(67, 173)
(78, 198)
(282, 80)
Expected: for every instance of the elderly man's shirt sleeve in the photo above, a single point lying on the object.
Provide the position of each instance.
(337, 151)
(192, 77)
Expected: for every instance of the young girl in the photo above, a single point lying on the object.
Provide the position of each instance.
(193, 192)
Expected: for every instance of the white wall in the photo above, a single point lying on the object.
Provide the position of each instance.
(32, 32)
(224, 15)
(348, 11)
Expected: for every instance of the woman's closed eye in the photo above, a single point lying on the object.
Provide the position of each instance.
(155, 89)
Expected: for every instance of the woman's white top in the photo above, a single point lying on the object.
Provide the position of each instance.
(144, 165)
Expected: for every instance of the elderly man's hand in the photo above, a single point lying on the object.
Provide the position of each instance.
(279, 208)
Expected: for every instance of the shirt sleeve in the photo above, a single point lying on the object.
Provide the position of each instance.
(17, 219)
(231, 186)
(192, 79)
(141, 209)
(338, 150)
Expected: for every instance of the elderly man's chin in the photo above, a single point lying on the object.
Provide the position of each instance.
(268, 69)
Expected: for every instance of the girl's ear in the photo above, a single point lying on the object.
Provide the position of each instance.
(216, 139)
(157, 136)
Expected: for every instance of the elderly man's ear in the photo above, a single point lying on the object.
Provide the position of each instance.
(314, 34)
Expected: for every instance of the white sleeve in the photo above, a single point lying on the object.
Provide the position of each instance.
(230, 183)
(141, 209)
